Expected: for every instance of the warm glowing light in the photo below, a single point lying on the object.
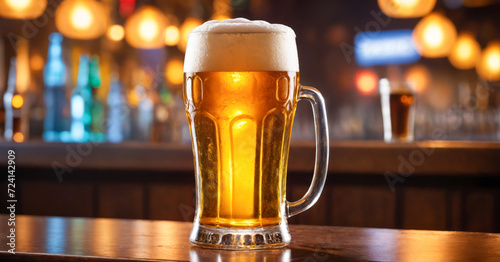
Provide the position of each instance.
(493, 62)
(172, 35)
(145, 28)
(17, 101)
(366, 81)
(488, 66)
(18, 5)
(465, 52)
(81, 19)
(116, 32)
(434, 35)
(406, 8)
(22, 9)
(189, 24)
(133, 98)
(148, 29)
(36, 62)
(174, 71)
(220, 17)
(418, 77)
(18, 137)
(23, 65)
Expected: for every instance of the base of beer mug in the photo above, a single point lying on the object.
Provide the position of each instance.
(240, 239)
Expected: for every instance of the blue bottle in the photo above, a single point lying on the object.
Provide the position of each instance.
(118, 112)
(81, 104)
(54, 76)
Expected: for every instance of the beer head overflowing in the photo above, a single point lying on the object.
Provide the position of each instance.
(236, 45)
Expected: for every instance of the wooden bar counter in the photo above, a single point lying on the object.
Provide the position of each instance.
(102, 239)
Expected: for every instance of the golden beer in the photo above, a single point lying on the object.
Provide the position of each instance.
(401, 107)
(242, 123)
(241, 89)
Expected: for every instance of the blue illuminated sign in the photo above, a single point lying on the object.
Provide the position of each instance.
(385, 47)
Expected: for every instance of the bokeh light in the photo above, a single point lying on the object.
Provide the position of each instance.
(22, 9)
(488, 66)
(434, 35)
(18, 137)
(366, 81)
(148, 29)
(219, 17)
(116, 32)
(17, 101)
(174, 71)
(81, 19)
(465, 52)
(172, 35)
(145, 28)
(23, 76)
(36, 62)
(419, 77)
(18, 5)
(406, 8)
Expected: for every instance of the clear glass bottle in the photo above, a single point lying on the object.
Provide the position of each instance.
(13, 104)
(97, 127)
(117, 112)
(54, 76)
(81, 103)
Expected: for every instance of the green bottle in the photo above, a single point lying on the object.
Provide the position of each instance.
(97, 127)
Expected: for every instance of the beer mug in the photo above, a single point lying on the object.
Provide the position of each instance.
(241, 89)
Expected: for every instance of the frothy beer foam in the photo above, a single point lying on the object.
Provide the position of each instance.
(236, 45)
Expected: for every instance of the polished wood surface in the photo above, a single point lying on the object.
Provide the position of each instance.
(346, 157)
(90, 239)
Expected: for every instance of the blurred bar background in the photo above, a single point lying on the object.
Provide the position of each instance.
(92, 103)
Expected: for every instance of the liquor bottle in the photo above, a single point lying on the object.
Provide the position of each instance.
(97, 128)
(81, 103)
(145, 92)
(145, 111)
(13, 103)
(117, 112)
(162, 129)
(54, 76)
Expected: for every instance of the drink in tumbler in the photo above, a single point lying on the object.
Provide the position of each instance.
(398, 111)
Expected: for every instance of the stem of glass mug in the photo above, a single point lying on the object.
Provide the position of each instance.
(322, 151)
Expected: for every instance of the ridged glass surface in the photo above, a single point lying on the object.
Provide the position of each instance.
(241, 123)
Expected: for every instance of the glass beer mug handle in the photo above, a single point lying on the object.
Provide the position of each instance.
(322, 151)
